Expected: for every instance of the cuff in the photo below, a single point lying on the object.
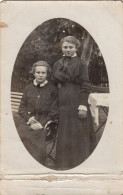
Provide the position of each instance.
(81, 107)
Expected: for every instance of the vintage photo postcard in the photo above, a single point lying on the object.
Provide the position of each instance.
(61, 98)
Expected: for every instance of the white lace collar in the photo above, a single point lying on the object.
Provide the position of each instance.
(41, 84)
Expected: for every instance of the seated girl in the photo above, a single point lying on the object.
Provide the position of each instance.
(37, 107)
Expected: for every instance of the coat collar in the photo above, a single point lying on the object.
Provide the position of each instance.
(71, 56)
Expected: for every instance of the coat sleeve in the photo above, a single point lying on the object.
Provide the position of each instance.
(58, 73)
(23, 108)
(53, 109)
(85, 84)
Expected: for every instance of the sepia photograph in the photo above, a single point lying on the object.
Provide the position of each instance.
(61, 98)
(58, 75)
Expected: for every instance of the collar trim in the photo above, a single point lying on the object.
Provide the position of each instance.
(72, 56)
(42, 84)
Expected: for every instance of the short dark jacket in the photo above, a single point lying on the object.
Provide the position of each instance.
(39, 102)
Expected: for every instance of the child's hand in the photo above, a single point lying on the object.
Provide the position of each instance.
(36, 126)
(82, 114)
(32, 120)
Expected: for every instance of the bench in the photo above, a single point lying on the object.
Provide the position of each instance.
(15, 101)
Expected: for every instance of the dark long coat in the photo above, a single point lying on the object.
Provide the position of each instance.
(40, 102)
(76, 139)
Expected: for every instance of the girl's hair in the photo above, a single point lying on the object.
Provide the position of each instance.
(41, 63)
(71, 39)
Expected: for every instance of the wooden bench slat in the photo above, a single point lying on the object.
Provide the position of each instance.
(16, 93)
(15, 103)
(14, 106)
(16, 100)
(16, 96)
(15, 110)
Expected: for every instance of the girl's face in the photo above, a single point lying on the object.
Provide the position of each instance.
(40, 74)
(69, 49)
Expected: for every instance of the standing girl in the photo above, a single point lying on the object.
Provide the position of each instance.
(76, 139)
